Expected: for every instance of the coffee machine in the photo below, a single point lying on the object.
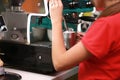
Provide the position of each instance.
(16, 49)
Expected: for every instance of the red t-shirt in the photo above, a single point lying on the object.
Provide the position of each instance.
(103, 41)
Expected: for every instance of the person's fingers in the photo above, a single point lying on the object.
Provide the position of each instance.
(55, 9)
(55, 3)
(50, 3)
(60, 2)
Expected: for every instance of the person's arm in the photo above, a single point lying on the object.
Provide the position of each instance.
(63, 59)
(80, 35)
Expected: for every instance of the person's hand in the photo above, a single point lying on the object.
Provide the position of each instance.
(79, 36)
(56, 8)
(1, 62)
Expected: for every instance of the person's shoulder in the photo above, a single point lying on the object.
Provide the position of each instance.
(112, 18)
(108, 21)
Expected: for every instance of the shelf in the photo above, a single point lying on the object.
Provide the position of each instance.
(78, 10)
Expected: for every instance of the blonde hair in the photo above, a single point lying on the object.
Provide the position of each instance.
(111, 10)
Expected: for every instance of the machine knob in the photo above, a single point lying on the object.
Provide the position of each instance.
(14, 36)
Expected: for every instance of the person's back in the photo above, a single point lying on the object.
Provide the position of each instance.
(103, 41)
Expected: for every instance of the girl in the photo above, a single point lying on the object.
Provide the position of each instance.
(98, 52)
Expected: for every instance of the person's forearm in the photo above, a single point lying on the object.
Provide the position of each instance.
(57, 33)
(58, 47)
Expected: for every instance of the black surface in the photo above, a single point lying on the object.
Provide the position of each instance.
(10, 76)
(27, 57)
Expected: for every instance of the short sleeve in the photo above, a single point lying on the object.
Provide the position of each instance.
(98, 38)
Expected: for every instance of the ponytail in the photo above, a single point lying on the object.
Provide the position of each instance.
(113, 9)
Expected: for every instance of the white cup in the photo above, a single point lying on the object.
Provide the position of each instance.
(38, 33)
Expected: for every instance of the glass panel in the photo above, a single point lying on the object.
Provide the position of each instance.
(34, 6)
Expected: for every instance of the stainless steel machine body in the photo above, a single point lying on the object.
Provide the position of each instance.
(16, 23)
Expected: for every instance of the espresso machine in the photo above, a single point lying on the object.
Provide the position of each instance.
(16, 49)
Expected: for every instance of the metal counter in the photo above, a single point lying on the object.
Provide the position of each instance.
(37, 76)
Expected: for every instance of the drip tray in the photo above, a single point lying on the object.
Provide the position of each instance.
(42, 44)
